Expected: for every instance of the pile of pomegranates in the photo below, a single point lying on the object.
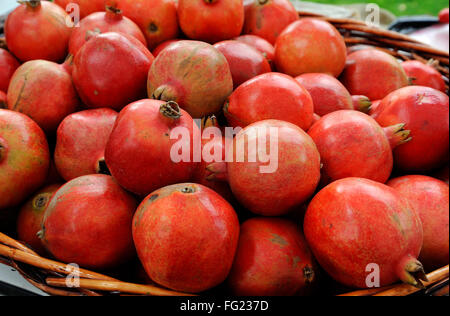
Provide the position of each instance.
(225, 145)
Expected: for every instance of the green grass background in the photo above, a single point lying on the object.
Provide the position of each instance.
(400, 8)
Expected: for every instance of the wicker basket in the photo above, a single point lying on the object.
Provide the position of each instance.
(50, 276)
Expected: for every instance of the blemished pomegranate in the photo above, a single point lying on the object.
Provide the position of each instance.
(80, 143)
(29, 221)
(44, 91)
(88, 222)
(86, 7)
(425, 111)
(186, 237)
(112, 20)
(103, 83)
(386, 74)
(421, 74)
(262, 45)
(352, 144)
(156, 18)
(270, 96)
(38, 30)
(296, 54)
(356, 226)
(245, 61)
(24, 158)
(162, 46)
(211, 21)
(141, 154)
(193, 74)
(8, 65)
(273, 259)
(268, 18)
(429, 197)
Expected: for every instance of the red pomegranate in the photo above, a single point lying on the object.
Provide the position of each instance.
(8, 65)
(86, 7)
(44, 91)
(3, 104)
(430, 199)
(263, 46)
(110, 70)
(361, 103)
(374, 107)
(352, 144)
(162, 46)
(30, 218)
(143, 151)
(245, 61)
(38, 30)
(186, 237)
(422, 74)
(101, 22)
(270, 96)
(444, 16)
(24, 158)
(425, 111)
(353, 214)
(211, 21)
(77, 152)
(156, 18)
(272, 259)
(296, 53)
(193, 74)
(373, 73)
(268, 18)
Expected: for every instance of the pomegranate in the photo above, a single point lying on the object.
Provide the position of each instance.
(38, 30)
(88, 222)
(86, 7)
(211, 21)
(263, 46)
(156, 18)
(444, 16)
(430, 199)
(270, 96)
(30, 218)
(44, 91)
(8, 65)
(350, 242)
(186, 237)
(272, 259)
(141, 151)
(374, 107)
(352, 144)
(110, 70)
(245, 61)
(385, 72)
(3, 104)
(162, 46)
(425, 111)
(193, 74)
(296, 54)
(101, 22)
(24, 158)
(422, 74)
(361, 103)
(77, 153)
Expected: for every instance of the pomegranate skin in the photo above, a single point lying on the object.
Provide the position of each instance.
(430, 199)
(270, 96)
(8, 65)
(268, 18)
(263, 46)
(162, 46)
(245, 61)
(3, 104)
(424, 75)
(102, 22)
(186, 237)
(103, 83)
(38, 30)
(184, 71)
(296, 54)
(86, 7)
(77, 152)
(80, 227)
(272, 259)
(211, 21)
(346, 237)
(24, 158)
(138, 153)
(425, 111)
(385, 72)
(29, 221)
(44, 91)
(444, 16)
(296, 175)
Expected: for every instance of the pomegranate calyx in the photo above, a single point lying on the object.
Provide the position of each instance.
(362, 103)
(209, 121)
(218, 171)
(210, 1)
(101, 167)
(397, 135)
(113, 12)
(171, 110)
(40, 201)
(33, 4)
(413, 273)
